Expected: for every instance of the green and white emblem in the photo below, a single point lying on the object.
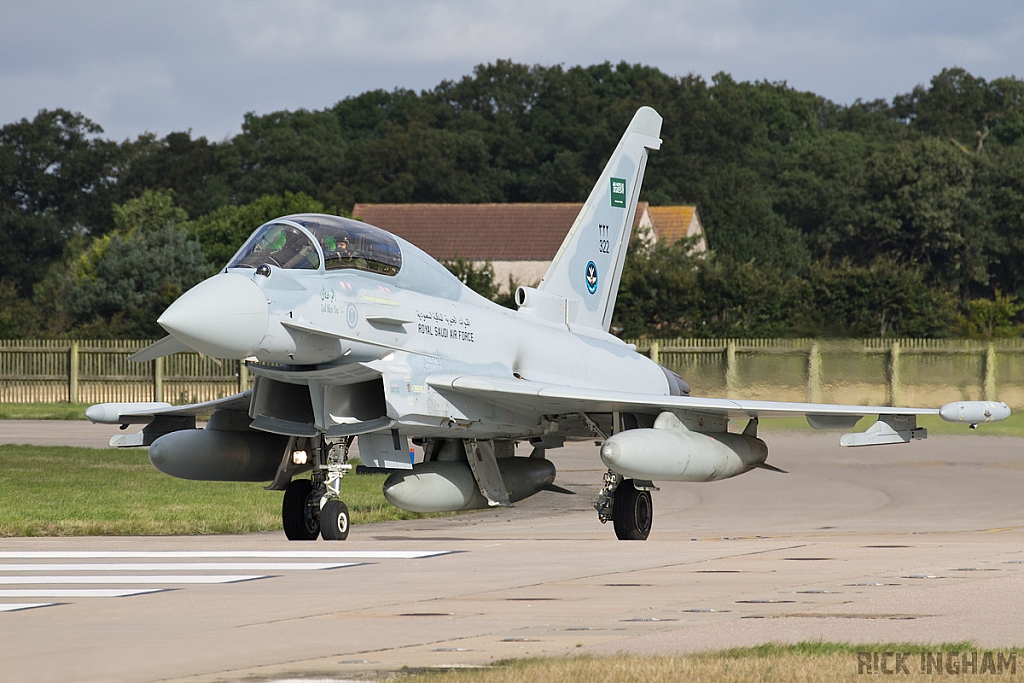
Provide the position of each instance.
(619, 193)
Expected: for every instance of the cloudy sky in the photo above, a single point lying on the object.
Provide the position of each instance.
(153, 66)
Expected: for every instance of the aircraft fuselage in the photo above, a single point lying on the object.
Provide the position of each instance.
(331, 329)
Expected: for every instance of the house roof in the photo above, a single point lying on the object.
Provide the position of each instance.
(499, 232)
(672, 223)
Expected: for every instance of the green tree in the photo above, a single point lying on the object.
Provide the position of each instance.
(741, 222)
(965, 109)
(300, 151)
(669, 292)
(883, 299)
(920, 205)
(658, 294)
(56, 181)
(931, 180)
(478, 278)
(994, 318)
(1001, 186)
(367, 115)
(122, 282)
(19, 319)
(424, 164)
(222, 232)
(200, 173)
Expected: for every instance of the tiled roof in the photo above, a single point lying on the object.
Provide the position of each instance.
(499, 232)
(672, 222)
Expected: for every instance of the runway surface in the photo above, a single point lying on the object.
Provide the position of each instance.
(922, 543)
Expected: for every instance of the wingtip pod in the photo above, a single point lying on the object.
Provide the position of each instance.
(974, 412)
(117, 413)
(97, 413)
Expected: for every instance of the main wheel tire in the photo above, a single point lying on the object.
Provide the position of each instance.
(334, 522)
(632, 512)
(300, 511)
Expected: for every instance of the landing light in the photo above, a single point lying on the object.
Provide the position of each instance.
(299, 457)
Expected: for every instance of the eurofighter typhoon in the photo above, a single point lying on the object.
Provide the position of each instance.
(352, 332)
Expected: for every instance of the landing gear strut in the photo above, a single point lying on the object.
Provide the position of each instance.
(334, 522)
(313, 507)
(628, 508)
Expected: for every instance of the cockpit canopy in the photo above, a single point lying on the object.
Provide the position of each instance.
(304, 241)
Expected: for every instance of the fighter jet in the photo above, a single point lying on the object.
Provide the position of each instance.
(352, 332)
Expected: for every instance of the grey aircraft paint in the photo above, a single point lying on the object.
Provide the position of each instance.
(353, 332)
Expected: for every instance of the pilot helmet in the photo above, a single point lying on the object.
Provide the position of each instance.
(277, 238)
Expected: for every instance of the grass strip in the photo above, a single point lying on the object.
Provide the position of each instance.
(43, 411)
(799, 662)
(65, 491)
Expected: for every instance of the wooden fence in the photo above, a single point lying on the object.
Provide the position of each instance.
(870, 371)
(96, 371)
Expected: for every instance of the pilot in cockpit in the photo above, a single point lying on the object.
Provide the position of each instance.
(343, 250)
(298, 252)
(340, 250)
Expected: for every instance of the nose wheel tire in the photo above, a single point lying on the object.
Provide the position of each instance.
(300, 511)
(334, 522)
(632, 512)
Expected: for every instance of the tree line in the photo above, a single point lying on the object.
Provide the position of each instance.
(900, 217)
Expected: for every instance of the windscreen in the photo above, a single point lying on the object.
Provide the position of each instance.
(278, 244)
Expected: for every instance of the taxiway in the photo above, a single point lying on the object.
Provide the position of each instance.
(916, 543)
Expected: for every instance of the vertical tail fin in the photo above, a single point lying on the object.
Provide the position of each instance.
(588, 266)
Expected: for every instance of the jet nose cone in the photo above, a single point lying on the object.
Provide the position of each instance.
(225, 316)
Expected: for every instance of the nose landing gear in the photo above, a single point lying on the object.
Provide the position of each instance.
(313, 507)
(334, 522)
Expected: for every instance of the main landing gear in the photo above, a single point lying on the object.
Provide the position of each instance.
(313, 507)
(300, 511)
(626, 506)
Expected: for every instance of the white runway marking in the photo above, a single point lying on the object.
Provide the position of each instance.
(18, 606)
(134, 570)
(76, 592)
(176, 566)
(221, 554)
(130, 578)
